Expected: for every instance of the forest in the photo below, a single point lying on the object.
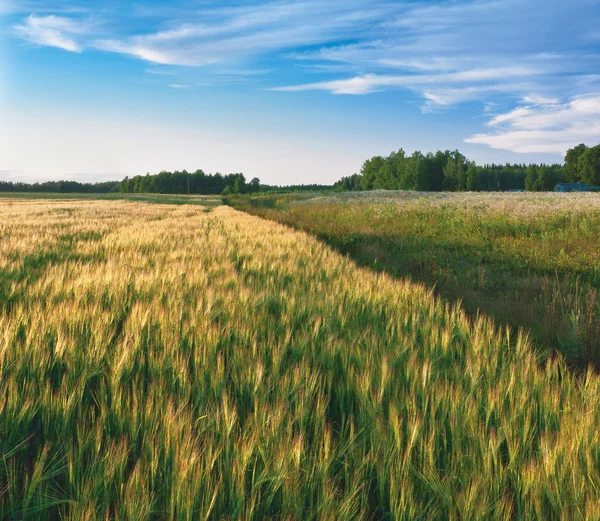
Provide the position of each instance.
(431, 172)
(178, 182)
(65, 187)
(183, 182)
(452, 171)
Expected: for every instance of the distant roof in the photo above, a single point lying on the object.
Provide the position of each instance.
(573, 185)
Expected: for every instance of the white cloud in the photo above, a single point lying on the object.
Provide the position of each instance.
(540, 99)
(466, 38)
(436, 93)
(546, 127)
(137, 50)
(230, 34)
(51, 31)
(421, 64)
(447, 52)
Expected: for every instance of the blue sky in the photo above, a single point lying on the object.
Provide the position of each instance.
(291, 91)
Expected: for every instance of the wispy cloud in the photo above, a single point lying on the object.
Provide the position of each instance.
(441, 54)
(243, 72)
(227, 35)
(373, 82)
(52, 31)
(546, 126)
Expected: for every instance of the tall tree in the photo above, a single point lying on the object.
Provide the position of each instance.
(472, 175)
(369, 172)
(531, 178)
(544, 179)
(239, 185)
(385, 177)
(572, 173)
(254, 185)
(589, 166)
(454, 172)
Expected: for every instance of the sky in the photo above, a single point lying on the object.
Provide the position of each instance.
(290, 91)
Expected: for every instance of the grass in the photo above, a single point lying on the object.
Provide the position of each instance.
(164, 362)
(202, 200)
(528, 260)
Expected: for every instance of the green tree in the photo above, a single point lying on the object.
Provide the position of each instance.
(369, 172)
(239, 185)
(385, 177)
(544, 179)
(571, 172)
(472, 177)
(531, 178)
(454, 172)
(254, 185)
(589, 166)
(397, 161)
(415, 173)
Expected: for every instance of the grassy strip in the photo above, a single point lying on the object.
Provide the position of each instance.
(521, 261)
(202, 200)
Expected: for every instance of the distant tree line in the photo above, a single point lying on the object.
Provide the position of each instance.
(200, 183)
(183, 182)
(451, 171)
(178, 182)
(438, 171)
(295, 188)
(64, 187)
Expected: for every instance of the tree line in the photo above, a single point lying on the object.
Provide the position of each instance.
(437, 171)
(183, 182)
(178, 182)
(451, 171)
(64, 187)
(164, 183)
(205, 184)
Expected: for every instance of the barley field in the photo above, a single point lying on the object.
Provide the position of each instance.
(164, 362)
(529, 260)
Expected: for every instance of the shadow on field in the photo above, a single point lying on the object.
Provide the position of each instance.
(544, 307)
(560, 315)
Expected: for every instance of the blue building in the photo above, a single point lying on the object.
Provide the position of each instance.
(572, 187)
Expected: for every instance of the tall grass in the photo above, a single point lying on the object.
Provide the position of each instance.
(161, 362)
(529, 260)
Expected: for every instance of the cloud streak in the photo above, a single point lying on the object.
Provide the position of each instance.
(545, 127)
(51, 31)
(437, 90)
(228, 35)
(437, 54)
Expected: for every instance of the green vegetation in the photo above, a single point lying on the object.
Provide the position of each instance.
(582, 165)
(189, 183)
(442, 171)
(146, 198)
(451, 171)
(528, 261)
(173, 183)
(200, 183)
(169, 362)
(64, 187)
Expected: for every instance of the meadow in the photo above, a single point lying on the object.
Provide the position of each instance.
(199, 363)
(529, 260)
